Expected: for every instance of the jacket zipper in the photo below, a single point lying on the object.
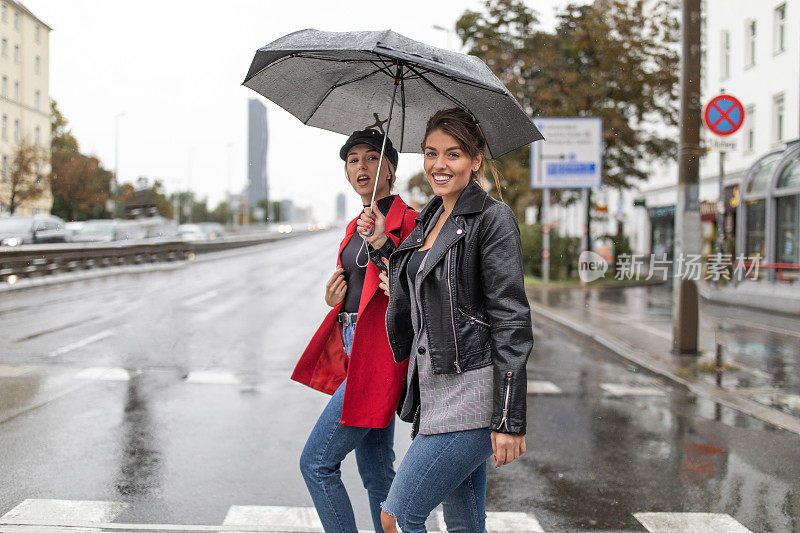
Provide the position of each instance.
(452, 313)
(473, 318)
(504, 420)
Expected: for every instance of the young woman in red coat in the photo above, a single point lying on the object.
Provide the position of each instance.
(349, 355)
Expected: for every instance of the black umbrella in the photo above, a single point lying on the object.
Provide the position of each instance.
(338, 80)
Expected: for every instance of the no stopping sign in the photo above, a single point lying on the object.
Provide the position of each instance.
(724, 115)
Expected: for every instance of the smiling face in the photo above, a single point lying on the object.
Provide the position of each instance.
(362, 166)
(448, 166)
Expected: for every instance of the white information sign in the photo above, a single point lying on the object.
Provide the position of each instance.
(571, 154)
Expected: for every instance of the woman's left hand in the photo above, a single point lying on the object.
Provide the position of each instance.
(507, 447)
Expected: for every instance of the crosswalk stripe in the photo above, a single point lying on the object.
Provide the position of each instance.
(104, 373)
(84, 515)
(502, 522)
(254, 515)
(705, 522)
(12, 371)
(543, 387)
(84, 510)
(213, 377)
(617, 390)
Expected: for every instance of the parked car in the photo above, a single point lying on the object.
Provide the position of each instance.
(192, 232)
(213, 230)
(109, 230)
(31, 230)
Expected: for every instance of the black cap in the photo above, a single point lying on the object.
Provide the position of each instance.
(373, 138)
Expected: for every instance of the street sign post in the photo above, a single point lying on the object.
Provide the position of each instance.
(569, 157)
(571, 154)
(723, 116)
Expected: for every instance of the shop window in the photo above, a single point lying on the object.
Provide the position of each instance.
(756, 218)
(790, 177)
(759, 182)
(788, 227)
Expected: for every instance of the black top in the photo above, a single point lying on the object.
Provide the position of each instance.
(354, 274)
(413, 264)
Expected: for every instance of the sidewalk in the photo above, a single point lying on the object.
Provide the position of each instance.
(636, 324)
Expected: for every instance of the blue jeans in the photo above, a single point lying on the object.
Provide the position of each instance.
(324, 452)
(448, 468)
(348, 332)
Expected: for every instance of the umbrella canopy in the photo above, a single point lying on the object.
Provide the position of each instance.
(348, 81)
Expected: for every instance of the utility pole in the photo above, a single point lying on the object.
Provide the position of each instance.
(687, 209)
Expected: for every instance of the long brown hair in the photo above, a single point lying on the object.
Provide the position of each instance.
(460, 125)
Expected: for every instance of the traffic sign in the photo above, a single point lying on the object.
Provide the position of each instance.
(571, 154)
(724, 114)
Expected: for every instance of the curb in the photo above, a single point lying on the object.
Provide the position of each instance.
(644, 359)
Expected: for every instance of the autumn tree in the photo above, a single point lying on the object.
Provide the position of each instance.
(27, 177)
(608, 59)
(79, 183)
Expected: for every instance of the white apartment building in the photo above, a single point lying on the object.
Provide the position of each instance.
(24, 93)
(751, 49)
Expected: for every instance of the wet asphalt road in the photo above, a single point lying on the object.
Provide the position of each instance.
(209, 418)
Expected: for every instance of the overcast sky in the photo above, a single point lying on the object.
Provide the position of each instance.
(175, 67)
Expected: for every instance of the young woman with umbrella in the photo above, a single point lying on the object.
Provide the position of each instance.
(349, 355)
(459, 314)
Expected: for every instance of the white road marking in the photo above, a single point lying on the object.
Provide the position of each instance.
(104, 373)
(616, 390)
(213, 377)
(503, 522)
(254, 515)
(12, 371)
(675, 522)
(200, 298)
(83, 510)
(778, 398)
(543, 387)
(81, 343)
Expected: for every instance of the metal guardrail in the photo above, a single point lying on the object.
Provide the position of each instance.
(30, 261)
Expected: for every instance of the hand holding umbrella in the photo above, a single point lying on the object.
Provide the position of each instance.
(372, 225)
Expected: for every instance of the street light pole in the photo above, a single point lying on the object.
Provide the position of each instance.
(115, 214)
(189, 188)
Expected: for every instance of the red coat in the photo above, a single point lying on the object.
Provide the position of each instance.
(374, 381)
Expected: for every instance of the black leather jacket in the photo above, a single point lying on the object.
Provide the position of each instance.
(473, 299)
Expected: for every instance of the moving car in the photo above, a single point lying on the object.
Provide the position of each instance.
(31, 230)
(108, 231)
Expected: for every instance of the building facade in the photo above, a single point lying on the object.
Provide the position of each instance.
(256, 152)
(24, 95)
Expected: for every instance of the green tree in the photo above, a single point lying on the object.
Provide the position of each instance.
(608, 59)
(221, 213)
